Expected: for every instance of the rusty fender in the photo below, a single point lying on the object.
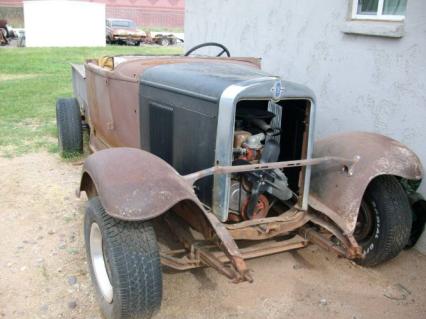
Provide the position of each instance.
(135, 185)
(338, 194)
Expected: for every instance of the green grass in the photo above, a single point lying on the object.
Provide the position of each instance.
(31, 79)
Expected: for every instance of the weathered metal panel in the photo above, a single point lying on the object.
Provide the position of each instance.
(338, 194)
(79, 84)
(135, 185)
(114, 111)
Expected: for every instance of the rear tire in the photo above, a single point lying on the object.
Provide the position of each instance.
(384, 221)
(128, 282)
(68, 121)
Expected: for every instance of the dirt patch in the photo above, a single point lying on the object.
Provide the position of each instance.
(43, 271)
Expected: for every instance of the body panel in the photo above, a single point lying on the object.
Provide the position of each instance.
(79, 86)
(113, 95)
(338, 194)
(188, 141)
(135, 185)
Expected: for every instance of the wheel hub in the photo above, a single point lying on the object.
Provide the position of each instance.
(365, 224)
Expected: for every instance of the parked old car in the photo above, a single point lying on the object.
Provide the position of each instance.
(221, 155)
(6, 32)
(162, 39)
(123, 31)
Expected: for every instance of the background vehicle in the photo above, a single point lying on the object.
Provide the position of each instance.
(220, 154)
(164, 39)
(123, 31)
(161, 39)
(6, 32)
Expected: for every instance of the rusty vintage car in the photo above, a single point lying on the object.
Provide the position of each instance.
(210, 161)
(123, 31)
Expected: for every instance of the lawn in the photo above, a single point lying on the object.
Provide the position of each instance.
(31, 79)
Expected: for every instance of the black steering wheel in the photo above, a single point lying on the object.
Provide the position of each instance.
(209, 44)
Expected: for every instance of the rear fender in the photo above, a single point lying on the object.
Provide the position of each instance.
(338, 194)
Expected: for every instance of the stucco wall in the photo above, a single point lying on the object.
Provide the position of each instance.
(362, 82)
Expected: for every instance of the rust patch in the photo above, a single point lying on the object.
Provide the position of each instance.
(338, 195)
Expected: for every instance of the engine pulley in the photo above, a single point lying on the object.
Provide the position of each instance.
(260, 210)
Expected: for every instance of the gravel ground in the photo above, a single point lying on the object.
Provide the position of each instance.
(43, 272)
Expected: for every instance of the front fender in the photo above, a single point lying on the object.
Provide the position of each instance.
(133, 184)
(338, 194)
(136, 185)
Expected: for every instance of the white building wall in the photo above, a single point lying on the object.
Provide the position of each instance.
(64, 24)
(362, 82)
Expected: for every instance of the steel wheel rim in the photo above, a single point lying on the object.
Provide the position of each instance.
(365, 224)
(99, 263)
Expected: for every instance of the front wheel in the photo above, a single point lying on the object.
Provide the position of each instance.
(124, 264)
(384, 221)
(164, 42)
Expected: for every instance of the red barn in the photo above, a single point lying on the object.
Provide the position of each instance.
(153, 13)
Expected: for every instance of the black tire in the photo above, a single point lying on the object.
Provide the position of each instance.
(384, 221)
(68, 121)
(133, 264)
(164, 42)
(137, 43)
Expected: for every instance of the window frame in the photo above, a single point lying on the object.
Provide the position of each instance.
(378, 17)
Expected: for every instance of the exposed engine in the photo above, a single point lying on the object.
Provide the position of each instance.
(256, 140)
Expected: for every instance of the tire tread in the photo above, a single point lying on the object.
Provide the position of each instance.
(395, 218)
(68, 121)
(136, 260)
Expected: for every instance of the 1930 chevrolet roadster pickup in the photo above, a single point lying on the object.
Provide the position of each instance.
(221, 155)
